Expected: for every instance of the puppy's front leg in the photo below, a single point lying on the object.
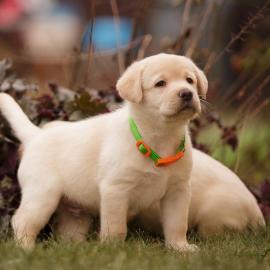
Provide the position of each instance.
(113, 213)
(174, 215)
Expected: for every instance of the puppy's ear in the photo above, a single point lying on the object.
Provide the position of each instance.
(202, 82)
(129, 85)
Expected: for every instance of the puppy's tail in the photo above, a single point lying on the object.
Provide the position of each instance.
(19, 122)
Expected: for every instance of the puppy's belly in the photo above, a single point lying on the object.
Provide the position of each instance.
(82, 190)
(87, 199)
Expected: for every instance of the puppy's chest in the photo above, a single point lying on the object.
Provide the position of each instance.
(153, 182)
(151, 187)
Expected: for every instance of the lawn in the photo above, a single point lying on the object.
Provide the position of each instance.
(230, 251)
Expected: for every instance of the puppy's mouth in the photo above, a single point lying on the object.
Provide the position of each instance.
(187, 107)
(185, 110)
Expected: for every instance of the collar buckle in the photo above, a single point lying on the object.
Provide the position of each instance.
(143, 148)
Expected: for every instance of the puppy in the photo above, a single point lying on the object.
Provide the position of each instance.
(220, 200)
(96, 165)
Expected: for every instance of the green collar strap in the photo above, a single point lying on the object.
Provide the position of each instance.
(148, 152)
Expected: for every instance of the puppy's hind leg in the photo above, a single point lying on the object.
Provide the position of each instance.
(37, 205)
(72, 225)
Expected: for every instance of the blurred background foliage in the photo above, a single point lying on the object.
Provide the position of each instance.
(61, 59)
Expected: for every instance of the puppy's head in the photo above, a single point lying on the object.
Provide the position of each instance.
(165, 84)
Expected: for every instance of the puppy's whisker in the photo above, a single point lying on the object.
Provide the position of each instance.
(206, 103)
(206, 106)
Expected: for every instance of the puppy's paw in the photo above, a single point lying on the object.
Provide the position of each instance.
(184, 247)
(108, 237)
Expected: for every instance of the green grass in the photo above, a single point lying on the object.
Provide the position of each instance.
(231, 251)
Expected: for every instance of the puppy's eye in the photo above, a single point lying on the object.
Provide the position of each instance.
(189, 80)
(160, 84)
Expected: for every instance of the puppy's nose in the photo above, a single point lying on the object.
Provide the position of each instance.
(186, 95)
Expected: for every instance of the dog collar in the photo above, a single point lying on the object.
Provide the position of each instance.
(148, 152)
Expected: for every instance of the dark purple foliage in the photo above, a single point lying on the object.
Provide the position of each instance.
(229, 136)
(262, 193)
(265, 192)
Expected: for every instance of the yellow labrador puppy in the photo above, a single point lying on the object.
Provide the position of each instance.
(220, 200)
(116, 164)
